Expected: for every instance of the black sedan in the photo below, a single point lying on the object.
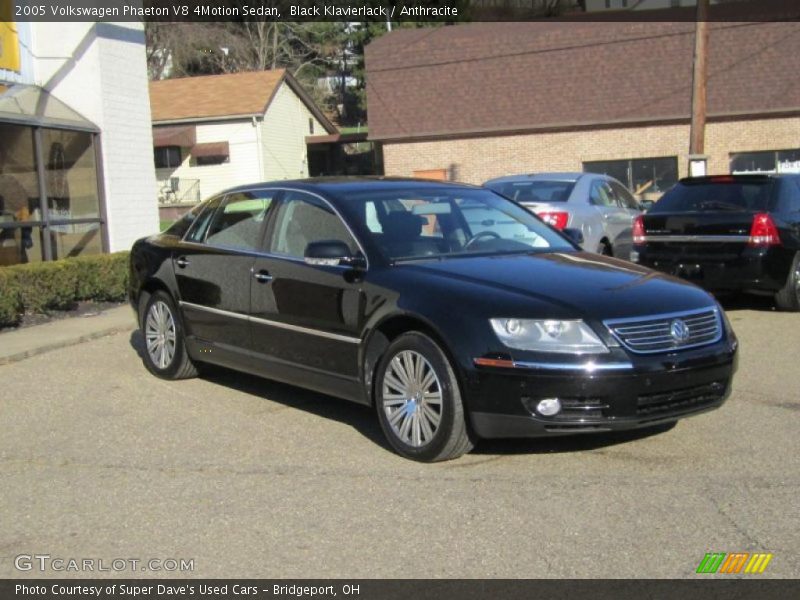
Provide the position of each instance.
(453, 311)
(727, 233)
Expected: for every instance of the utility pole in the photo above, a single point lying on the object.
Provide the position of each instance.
(697, 157)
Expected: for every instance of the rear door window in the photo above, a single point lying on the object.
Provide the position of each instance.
(624, 197)
(199, 225)
(240, 222)
(603, 195)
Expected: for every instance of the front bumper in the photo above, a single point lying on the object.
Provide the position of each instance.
(651, 391)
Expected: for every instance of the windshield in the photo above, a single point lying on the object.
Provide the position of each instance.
(751, 196)
(533, 191)
(436, 222)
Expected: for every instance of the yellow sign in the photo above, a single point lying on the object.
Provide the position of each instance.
(9, 40)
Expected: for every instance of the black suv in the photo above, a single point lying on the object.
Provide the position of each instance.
(727, 233)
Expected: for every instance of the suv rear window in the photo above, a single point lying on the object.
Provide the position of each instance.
(715, 196)
(534, 191)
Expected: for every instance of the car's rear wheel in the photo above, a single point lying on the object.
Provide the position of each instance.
(165, 352)
(605, 249)
(789, 297)
(418, 401)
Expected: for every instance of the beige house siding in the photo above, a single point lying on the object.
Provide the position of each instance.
(242, 167)
(283, 134)
(476, 159)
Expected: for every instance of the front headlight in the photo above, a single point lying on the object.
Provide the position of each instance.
(566, 337)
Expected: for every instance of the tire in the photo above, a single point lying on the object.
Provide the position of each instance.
(418, 401)
(162, 329)
(789, 297)
(604, 248)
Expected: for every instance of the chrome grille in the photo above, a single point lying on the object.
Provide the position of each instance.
(667, 332)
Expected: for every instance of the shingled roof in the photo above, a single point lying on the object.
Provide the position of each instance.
(484, 78)
(232, 95)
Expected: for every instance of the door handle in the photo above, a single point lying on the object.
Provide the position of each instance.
(182, 262)
(262, 276)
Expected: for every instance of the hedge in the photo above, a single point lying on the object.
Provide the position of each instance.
(57, 285)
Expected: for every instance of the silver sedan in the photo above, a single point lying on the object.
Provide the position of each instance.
(599, 206)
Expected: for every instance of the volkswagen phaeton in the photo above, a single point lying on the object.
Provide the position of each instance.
(453, 311)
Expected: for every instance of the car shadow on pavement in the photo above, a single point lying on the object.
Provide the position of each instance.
(579, 442)
(732, 302)
(363, 419)
(359, 417)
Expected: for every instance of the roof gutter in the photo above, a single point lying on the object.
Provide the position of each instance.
(190, 120)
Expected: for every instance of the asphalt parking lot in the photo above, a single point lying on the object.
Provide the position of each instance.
(251, 478)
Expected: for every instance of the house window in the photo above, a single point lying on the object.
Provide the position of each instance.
(311, 126)
(641, 175)
(205, 161)
(771, 161)
(168, 157)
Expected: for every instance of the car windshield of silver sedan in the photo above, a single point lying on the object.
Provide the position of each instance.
(438, 223)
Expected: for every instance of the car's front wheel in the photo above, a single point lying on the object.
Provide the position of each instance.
(789, 297)
(164, 352)
(418, 401)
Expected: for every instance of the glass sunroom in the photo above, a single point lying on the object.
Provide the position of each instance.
(51, 203)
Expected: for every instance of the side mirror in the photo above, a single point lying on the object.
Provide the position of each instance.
(332, 253)
(573, 235)
(646, 205)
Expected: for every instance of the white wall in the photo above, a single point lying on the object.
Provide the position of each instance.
(243, 166)
(100, 71)
(283, 134)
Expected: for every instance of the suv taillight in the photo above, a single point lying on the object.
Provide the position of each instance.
(763, 231)
(639, 236)
(556, 219)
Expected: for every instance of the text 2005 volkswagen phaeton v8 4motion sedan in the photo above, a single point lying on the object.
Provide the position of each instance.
(455, 312)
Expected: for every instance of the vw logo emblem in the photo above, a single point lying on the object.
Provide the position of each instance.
(679, 331)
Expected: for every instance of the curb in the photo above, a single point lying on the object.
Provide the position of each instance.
(4, 360)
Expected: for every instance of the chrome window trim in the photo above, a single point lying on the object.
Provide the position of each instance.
(217, 311)
(611, 323)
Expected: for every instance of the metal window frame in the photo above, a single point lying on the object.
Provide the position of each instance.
(45, 223)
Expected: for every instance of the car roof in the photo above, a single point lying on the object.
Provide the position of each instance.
(336, 185)
(565, 176)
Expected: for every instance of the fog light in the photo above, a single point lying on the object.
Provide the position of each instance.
(548, 407)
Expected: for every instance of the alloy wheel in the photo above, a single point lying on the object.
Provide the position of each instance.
(797, 279)
(160, 334)
(411, 397)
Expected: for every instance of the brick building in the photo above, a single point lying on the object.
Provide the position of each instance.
(482, 100)
(76, 151)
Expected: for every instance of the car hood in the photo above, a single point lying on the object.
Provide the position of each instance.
(580, 284)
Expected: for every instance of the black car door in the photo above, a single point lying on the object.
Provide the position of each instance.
(213, 268)
(790, 209)
(623, 245)
(306, 316)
